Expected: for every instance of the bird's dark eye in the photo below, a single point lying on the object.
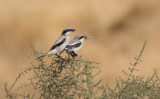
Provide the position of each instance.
(81, 37)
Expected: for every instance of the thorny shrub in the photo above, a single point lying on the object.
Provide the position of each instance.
(74, 78)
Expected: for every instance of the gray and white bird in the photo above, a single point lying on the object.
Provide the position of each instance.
(75, 44)
(60, 44)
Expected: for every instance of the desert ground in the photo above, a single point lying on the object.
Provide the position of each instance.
(118, 28)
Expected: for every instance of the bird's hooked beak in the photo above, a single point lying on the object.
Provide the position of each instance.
(87, 37)
(73, 30)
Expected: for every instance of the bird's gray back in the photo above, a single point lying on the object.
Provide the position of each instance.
(73, 41)
(76, 39)
(59, 39)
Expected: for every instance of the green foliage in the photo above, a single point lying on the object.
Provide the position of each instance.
(74, 78)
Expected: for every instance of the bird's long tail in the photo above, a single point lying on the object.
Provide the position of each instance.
(73, 54)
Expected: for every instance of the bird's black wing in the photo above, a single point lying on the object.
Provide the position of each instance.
(58, 44)
(74, 45)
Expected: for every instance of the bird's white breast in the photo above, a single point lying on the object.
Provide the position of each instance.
(77, 48)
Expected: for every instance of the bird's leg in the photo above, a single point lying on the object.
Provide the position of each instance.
(61, 57)
(58, 56)
(68, 54)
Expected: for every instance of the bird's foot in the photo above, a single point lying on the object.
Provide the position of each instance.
(58, 56)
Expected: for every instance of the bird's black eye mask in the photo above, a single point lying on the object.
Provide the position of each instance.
(68, 30)
(82, 37)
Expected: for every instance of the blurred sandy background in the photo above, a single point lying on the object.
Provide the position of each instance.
(119, 28)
